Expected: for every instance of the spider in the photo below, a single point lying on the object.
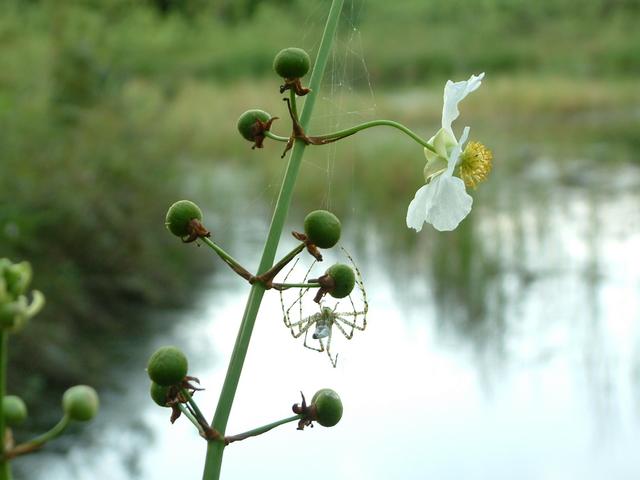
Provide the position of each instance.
(324, 321)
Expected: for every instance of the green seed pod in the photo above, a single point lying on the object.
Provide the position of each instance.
(247, 123)
(80, 403)
(292, 63)
(167, 366)
(180, 215)
(159, 394)
(14, 410)
(343, 278)
(327, 406)
(322, 228)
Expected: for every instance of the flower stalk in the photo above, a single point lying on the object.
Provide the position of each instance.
(347, 132)
(260, 430)
(37, 443)
(268, 276)
(187, 413)
(286, 286)
(215, 448)
(228, 259)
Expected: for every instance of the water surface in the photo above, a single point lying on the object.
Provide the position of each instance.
(508, 348)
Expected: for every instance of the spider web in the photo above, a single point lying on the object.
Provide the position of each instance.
(298, 304)
(347, 96)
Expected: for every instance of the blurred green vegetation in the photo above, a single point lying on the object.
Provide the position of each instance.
(168, 41)
(109, 110)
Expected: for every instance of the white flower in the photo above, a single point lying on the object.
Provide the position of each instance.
(444, 201)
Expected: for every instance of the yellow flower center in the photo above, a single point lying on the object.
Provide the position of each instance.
(475, 164)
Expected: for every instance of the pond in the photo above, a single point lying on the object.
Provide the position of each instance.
(508, 348)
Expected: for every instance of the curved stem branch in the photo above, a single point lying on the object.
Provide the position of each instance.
(260, 430)
(228, 259)
(191, 418)
(330, 137)
(270, 274)
(209, 432)
(347, 132)
(275, 137)
(37, 443)
(286, 286)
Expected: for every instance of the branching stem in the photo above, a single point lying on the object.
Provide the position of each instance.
(347, 132)
(275, 137)
(228, 259)
(270, 274)
(260, 430)
(37, 443)
(187, 413)
(286, 286)
(215, 449)
(267, 277)
(209, 432)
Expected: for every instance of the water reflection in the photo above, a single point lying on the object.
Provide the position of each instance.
(508, 347)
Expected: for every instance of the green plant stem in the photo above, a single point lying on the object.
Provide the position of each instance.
(275, 137)
(260, 430)
(273, 271)
(228, 259)
(294, 102)
(286, 286)
(287, 258)
(358, 128)
(243, 272)
(5, 467)
(376, 123)
(36, 443)
(193, 405)
(215, 448)
(191, 418)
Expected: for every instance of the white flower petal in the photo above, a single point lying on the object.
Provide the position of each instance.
(448, 204)
(457, 150)
(443, 141)
(431, 156)
(434, 167)
(417, 211)
(454, 92)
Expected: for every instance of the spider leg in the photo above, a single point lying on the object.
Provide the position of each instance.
(365, 309)
(355, 314)
(351, 314)
(349, 335)
(333, 360)
(354, 324)
(304, 291)
(286, 311)
(359, 282)
(309, 271)
(310, 347)
(299, 323)
(303, 325)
